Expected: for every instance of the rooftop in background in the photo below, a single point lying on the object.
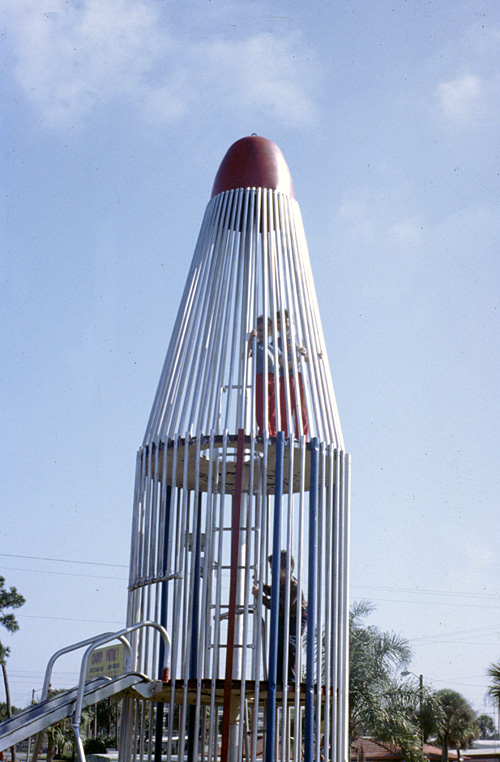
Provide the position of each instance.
(364, 749)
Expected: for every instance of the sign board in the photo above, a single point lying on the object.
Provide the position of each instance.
(106, 662)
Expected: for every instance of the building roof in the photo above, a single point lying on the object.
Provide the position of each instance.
(365, 749)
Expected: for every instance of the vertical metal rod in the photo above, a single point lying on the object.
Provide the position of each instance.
(300, 587)
(281, 305)
(329, 540)
(259, 624)
(175, 520)
(247, 525)
(344, 626)
(320, 588)
(285, 753)
(194, 715)
(216, 612)
(202, 279)
(214, 328)
(305, 314)
(235, 542)
(153, 590)
(275, 593)
(312, 635)
(245, 302)
(266, 307)
(163, 621)
(298, 326)
(235, 353)
(270, 273)
(178, 583)
(143, 638)
(162, 394)
(336, 581)
(135, 538)
(186, 607)
(206, 626)
(291, 334)
(195, 625)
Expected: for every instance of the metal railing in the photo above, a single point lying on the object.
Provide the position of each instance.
(92, 644)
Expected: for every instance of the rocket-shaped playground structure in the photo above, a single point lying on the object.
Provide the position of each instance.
(236, 644)
(241, 505)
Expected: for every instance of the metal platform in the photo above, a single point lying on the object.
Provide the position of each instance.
(199, 473)
(162, 692)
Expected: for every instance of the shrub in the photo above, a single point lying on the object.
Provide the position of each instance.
(94, 746)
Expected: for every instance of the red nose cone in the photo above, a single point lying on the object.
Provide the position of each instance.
(253, 162)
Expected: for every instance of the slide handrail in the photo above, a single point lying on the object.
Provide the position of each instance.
(92, 643)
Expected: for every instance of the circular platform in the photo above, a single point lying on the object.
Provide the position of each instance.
(163, 691)
(214, 465)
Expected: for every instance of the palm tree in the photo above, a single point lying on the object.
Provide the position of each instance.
(487, 727)
(378, 702)
(60, 735)
(494, 689)
(459, 726)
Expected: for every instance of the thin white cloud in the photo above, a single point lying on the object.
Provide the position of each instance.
(265, 75)
(75, 57)
(249, 76)
(79, 57)
(463, 100)
(418, 250)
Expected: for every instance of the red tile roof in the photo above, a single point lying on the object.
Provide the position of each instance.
(366, 749)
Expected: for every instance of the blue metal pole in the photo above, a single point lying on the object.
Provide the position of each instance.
(193, 660)
(311, 603)
(275, 595)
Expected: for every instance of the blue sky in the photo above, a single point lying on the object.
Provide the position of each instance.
(115, 117)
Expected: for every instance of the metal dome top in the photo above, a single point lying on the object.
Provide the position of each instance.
(254, 162)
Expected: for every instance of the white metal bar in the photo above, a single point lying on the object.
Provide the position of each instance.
(164, 395)
(251, 259)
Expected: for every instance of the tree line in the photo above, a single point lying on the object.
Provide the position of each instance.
(401, 711)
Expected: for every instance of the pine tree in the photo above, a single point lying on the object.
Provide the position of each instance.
(9, 599)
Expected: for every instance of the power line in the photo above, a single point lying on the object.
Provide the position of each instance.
(63, 560)
(68, 619)
(438, 603)
(38, 675)
(419, 591)
(473, 631)
(463, 642)
(63, 574)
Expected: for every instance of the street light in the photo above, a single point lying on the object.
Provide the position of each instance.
(420, 698)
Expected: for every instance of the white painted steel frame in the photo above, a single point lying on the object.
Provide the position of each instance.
(251, 259)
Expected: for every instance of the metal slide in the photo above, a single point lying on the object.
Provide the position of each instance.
(36, 718)
(33, 720)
